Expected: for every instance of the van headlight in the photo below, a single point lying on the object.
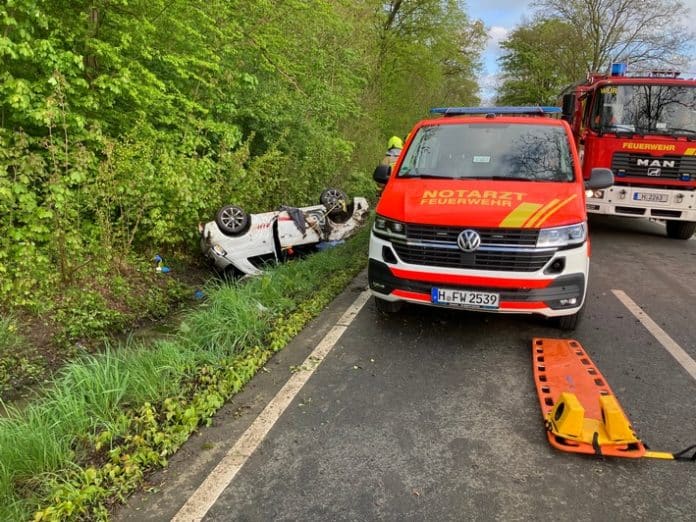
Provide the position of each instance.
(562, 236)
(388, 228)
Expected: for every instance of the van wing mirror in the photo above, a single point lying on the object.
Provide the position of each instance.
(600, 178)
(568, 106)
(382, 173)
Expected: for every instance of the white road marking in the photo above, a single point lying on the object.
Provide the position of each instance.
(212, 487)
(670, 345)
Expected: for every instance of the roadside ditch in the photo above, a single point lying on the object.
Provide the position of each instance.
(111, 418)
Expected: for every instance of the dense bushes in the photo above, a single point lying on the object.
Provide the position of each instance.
(124, 123)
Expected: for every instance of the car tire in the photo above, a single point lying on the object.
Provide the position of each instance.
(568, 323)
(330, 198)
(680, 229)
(388, 307)
(232, 220)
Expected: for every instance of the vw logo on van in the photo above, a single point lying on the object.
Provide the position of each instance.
(469, 240)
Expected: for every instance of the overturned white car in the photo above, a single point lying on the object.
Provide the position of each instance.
(241, 243)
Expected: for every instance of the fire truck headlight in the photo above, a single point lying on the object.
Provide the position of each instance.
(562, 236)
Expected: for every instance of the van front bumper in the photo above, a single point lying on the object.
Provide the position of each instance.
(550, 301)
(543, 292)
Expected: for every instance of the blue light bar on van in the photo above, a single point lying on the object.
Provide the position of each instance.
(453, 111)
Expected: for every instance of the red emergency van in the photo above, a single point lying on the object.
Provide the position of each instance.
(485, 210)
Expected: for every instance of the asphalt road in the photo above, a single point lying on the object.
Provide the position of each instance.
(432, 414)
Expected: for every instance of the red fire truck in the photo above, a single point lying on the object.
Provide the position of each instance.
(643, 127)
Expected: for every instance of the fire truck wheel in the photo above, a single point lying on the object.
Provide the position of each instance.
(569, 323)
(680, 229)
(388, 307)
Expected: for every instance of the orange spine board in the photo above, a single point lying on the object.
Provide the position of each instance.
(562, 365)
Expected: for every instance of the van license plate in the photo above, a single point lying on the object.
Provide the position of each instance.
(465, 298)
(647, 196)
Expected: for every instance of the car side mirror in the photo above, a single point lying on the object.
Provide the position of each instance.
(382, 173)
(568, 106)
(600, 178)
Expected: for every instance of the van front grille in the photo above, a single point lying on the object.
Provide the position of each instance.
(501, 249)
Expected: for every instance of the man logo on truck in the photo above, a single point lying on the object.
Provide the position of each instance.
(655, 163)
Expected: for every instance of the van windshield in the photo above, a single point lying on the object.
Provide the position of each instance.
(489, 151)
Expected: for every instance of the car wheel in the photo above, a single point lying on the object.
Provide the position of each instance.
(569, 323)
(232, 220)
(336, 202)
(680, 229)
(388, 307)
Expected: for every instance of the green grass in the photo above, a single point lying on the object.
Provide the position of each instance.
(131, 397)
(9, 337)
(18, 362)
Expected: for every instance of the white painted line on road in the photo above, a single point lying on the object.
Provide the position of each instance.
(212, 487)
(670, 345)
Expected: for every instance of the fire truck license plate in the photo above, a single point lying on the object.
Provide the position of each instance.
(648, 196)
(465, 298)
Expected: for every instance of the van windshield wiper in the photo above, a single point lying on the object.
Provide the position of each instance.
(416, 174)
(503, 178)
(619, 129)
(678, 130)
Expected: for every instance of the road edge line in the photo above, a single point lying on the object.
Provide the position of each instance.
(663, 337)
(207, 493)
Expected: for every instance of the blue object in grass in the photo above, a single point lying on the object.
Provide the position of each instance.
(325, 245)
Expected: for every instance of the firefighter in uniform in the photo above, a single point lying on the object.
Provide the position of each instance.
(394, 146)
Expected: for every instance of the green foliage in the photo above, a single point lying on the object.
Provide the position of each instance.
(124, 123)
(542, 57)
(569, 38)
(648, 34)
(429, 53)
(10, 339)
(109, 418)
(86, 314)
(19, 364)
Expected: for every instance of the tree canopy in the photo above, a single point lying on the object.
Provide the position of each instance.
(569, 38)
(540, 58)
(125, 122)
(643, 33)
